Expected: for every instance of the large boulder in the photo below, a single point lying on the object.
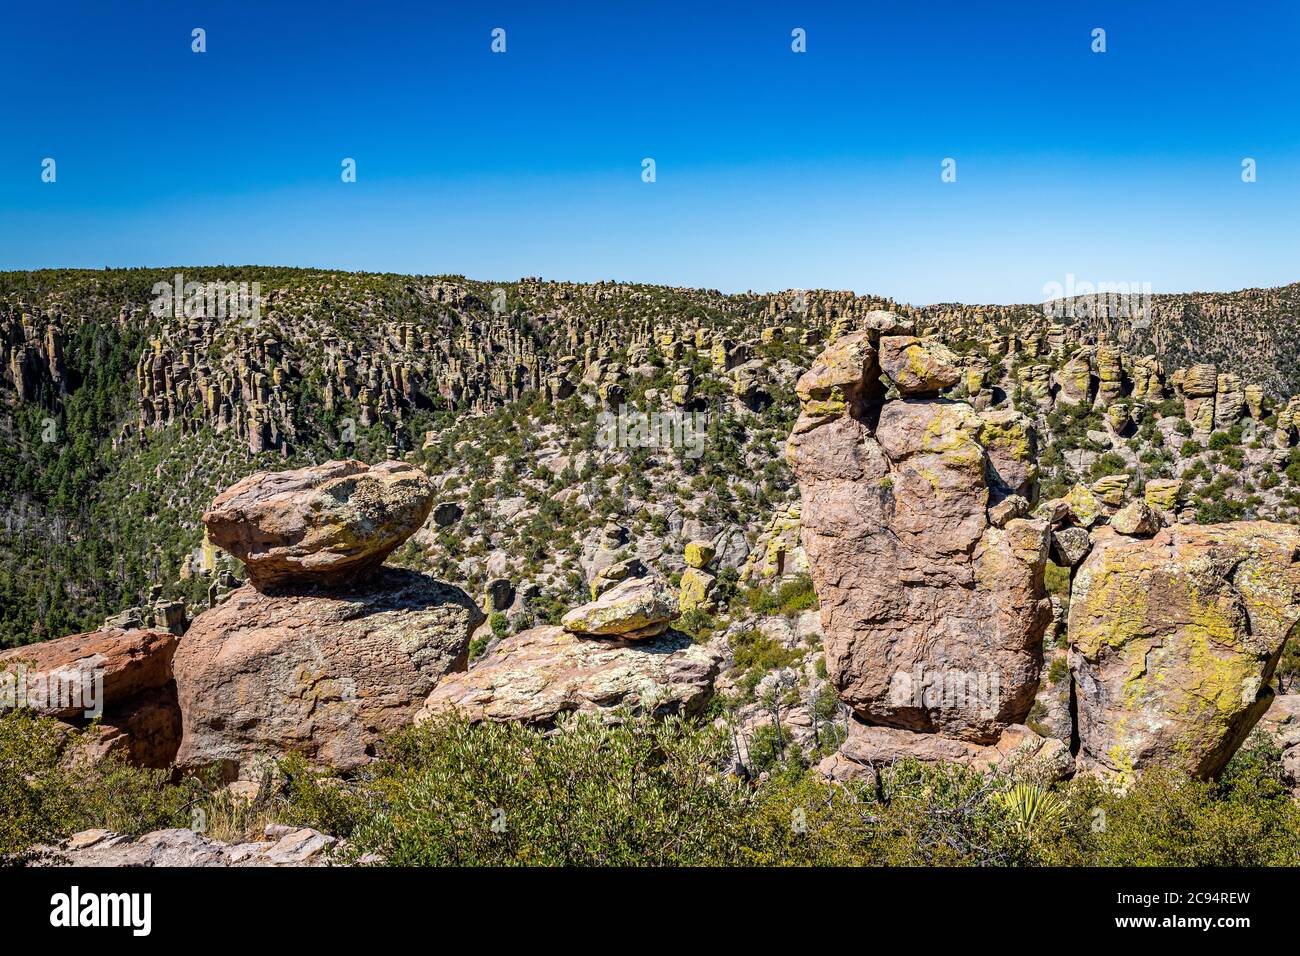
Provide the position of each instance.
(634, 608)
(114, 684)
(109, 666)
(324, 524)
(933, 617)
(845, 379)
(539, 674)
(325, 673)
(1174, 639)
(918, 366)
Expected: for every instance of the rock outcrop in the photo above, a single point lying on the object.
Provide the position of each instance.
(633, 609)
(123, 678)
(868, 749)
(537, 675)
(1174, 639)
(323, 672)
(324, 524)
(697, 584)
(282, 846)
(933, 617)
(321, 654)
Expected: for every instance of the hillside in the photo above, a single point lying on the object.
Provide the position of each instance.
(118, 425)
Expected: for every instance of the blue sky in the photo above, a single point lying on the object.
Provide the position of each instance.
(774, 169)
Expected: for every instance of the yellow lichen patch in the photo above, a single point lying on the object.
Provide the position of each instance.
(1010, 436)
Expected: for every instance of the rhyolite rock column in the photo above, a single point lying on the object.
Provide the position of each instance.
(933, 616)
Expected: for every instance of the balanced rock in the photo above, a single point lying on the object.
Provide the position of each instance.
(539, 674)
(1070, 546)
(611, 574)
(1011, 444)
(324, 673)
(1012, 506)
(1174, 639)
(844, 379)
(324, 524)
(1136, 518)
(699, 553)
(1163, 493)
(634, 608)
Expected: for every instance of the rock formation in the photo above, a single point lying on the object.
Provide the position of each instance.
(325, 524)
(121, 677)
(320, 654)
(933, 616)
(324, 672)
(636, 608)
(282, 846)
(1174, 638)
(697, 584)
(544, 672)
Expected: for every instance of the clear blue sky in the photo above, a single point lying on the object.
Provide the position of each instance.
(775, 169)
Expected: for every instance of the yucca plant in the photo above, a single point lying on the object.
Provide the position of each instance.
(1031, 805)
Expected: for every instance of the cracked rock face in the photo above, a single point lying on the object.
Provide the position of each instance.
(322, 672)
(933, 617)
(324, 524)
(539, 674)
(1174, 638)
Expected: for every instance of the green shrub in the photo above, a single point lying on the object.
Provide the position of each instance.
(644, 791)
(47, 792)
(1057, 580)
(796, 595)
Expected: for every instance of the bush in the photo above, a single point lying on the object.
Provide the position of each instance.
(796, 595)
(47, 793)
(637, 790)
(644, 791)
(1057, 580)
